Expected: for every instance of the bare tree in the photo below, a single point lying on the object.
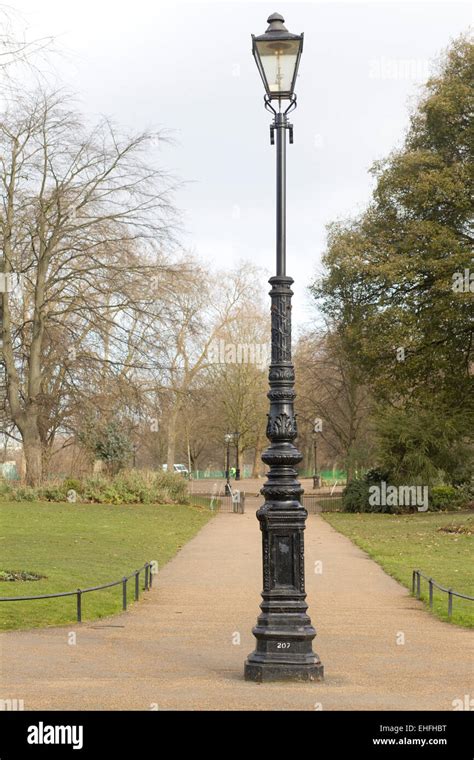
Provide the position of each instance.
(240, 384)
(16, 46)
(84, 215)
(330, 388)
(196, 314)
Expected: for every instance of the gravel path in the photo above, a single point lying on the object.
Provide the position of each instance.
(179, 647)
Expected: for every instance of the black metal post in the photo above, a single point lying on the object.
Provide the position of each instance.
(237, 463)
(316, 476)
(284, 631)
(228, 488)
(280, 128)
(79, 605)
(137, 585)
(124, 593)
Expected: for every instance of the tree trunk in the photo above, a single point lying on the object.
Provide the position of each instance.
(22, 466)
(46, 455)
(173, 418)
(190, 466)
(257, 461)
(33, 455)
(307, 449)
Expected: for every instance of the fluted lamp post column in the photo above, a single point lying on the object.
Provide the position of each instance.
(284, 633)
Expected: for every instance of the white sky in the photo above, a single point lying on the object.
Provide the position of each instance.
(188, 67)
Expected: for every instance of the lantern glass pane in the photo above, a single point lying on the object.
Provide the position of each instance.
(278, 59)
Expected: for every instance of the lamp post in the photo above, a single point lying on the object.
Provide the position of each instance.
(284, 632)
(316, 476)
(227, 439)
(237, 464)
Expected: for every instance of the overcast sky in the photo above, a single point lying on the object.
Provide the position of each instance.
(188, 67)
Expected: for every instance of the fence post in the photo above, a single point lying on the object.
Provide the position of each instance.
(79, 605)
(450, 602)
(431, 592)
(418, 584)
(137, 585)
(151, 576)
(146, 577)
(413, 576)
(124, 593)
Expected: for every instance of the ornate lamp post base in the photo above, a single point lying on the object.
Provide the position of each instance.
(283, 632)
(280, 671)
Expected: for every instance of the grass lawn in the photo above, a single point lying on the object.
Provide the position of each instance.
(82, 545)
(403, 543)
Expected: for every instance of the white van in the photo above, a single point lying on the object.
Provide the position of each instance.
(180, 469)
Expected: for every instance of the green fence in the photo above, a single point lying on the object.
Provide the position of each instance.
(245, 472)
(329, 477)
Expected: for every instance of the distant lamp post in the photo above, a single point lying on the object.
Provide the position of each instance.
(316, 475)
(283, 632)
(228, 440)
(237, 463)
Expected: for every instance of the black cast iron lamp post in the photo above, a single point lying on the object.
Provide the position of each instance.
(237, 463)
(316, 476)
(284, 633)
(228, 440)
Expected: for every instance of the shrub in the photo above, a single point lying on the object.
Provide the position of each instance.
(109, 442)
(24, 493)
(466, 495)
(73, 484)
(173, 486)
(99, 490)
(448, 498)
(5, 489)
(355, 496)
(127, 487)
(52, 493)
(136, 487)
